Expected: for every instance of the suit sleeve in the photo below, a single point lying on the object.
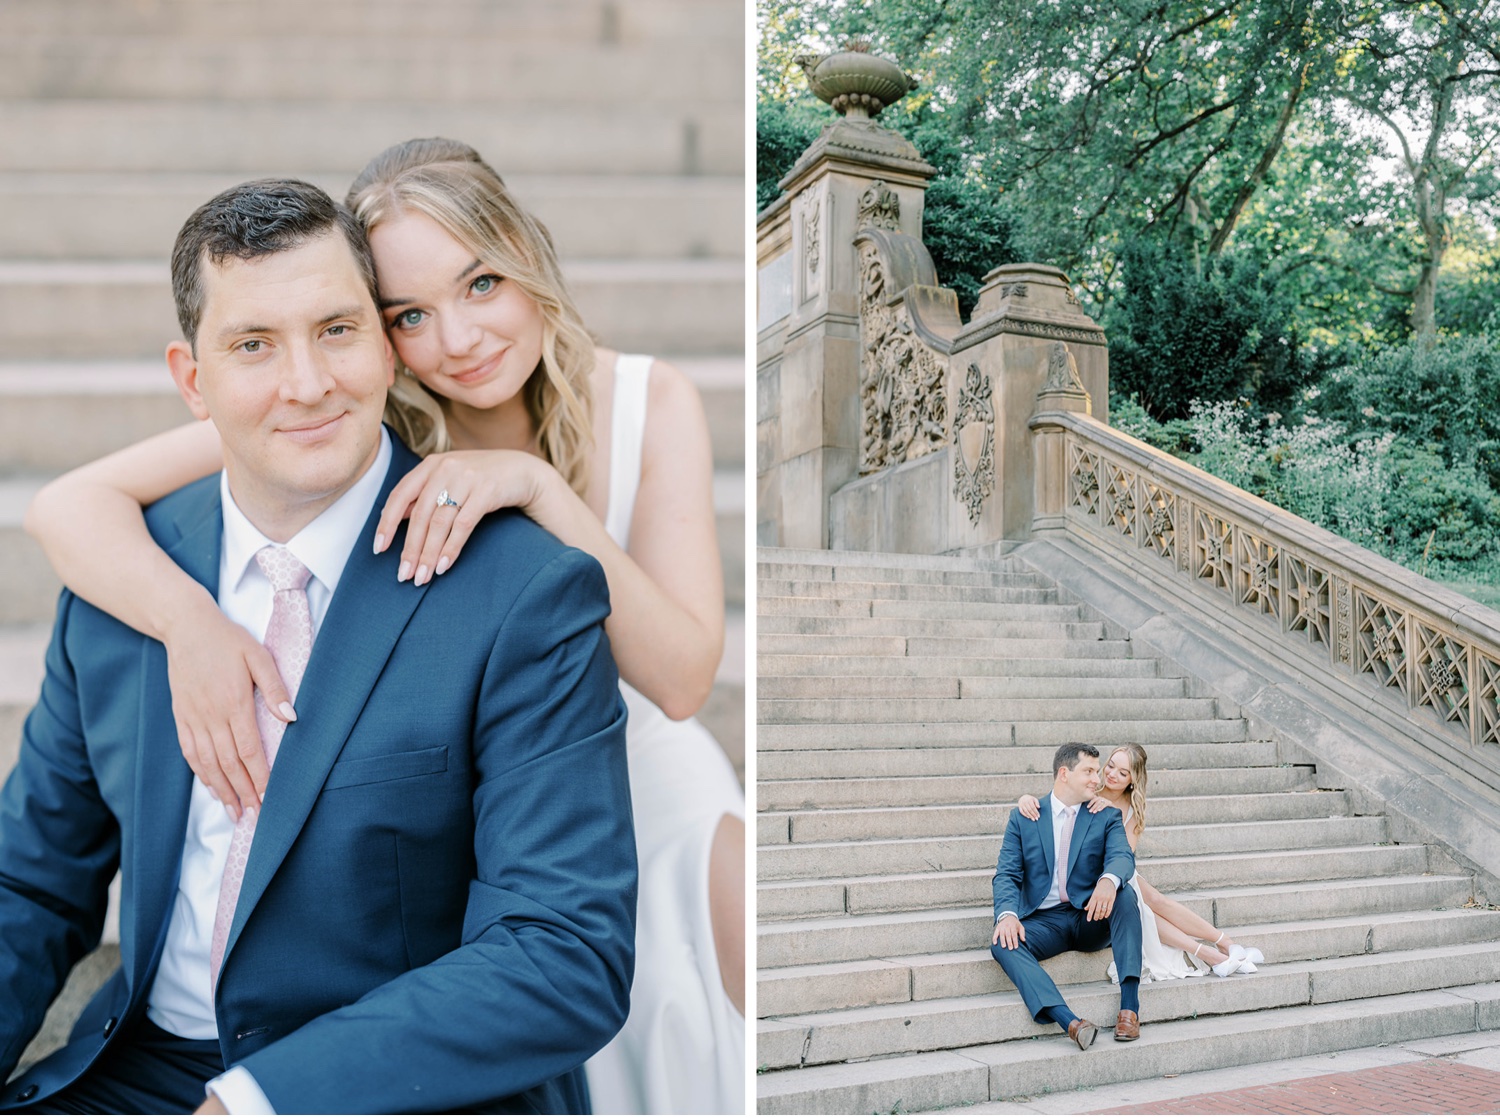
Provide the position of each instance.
(1008, 870)
(542, 978)
(59, 847)
(1118, 856)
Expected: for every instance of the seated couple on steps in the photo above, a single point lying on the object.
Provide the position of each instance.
(1057, 888)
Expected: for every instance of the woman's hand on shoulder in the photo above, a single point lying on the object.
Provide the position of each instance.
(476, 482)
(213, 668)
(1030, 806)
(1098, 803)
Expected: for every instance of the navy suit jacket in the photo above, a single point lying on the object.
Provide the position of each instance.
(438, 910)
(1023, 876)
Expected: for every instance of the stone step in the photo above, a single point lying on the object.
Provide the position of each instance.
(793, 990)
(897, 666)
(896, 892)
(852, 938)
(1022, 627)
(768, 588)
(882, 1030)
(55, 415)
(924, 647)
(861, 609)
(995, 760)
(558, 21)
(960, 711)
(31, 588)
(362, 64)
(650, 306)
(849, 563)
(821, 860)
(861, 823)
(136, 215)
(266, 137)
(915, 791)
(970, 1075)
(1053, 733)
(968, 687)
(856, 578)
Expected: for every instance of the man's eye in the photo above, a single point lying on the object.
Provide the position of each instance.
(484, 284)
(337, 331)
(251, 346)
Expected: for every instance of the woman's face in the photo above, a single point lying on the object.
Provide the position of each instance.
(1117, 771)
(465, 331)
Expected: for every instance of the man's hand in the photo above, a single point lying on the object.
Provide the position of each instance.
(1102, 902)
(211, 1105)
(1008, 932)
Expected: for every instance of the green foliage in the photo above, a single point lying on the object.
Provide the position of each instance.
(783, 131)
(1387, 493)
(1445, 396)
(1178, 335)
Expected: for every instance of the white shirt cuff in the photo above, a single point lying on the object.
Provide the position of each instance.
(1003, 914)
(238, 1092)
(1111, 877)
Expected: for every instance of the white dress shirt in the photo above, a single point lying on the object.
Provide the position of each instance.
(1053, 898)
(181, 999)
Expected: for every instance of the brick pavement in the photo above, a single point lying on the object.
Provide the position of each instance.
(1430, 1086)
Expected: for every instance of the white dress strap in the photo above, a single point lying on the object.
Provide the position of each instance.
(626, 438)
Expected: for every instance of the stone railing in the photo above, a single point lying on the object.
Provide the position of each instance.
(1374, 634)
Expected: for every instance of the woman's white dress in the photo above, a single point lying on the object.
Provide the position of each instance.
(1159, 962)
(682, 1049)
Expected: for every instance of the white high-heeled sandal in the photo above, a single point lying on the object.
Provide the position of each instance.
(1232, 963)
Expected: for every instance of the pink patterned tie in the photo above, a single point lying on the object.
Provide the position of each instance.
(1064, 841)
(289, 638)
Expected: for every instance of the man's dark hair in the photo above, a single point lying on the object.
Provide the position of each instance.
(252, 220)
(1067, 756)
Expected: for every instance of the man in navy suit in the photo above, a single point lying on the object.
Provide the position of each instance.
(1057, 888)
(437, 910)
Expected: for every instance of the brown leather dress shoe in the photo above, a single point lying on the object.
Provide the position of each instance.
(1127, 1027)
(1082, 1033)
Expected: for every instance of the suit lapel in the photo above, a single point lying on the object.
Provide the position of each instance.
(164, 782)
(1081, 823)
(365, 619)
(1049, 849)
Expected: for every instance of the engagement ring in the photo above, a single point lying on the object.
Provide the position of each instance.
(446, 501)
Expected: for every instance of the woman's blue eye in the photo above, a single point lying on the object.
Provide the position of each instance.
(485, 284)
(408, 318)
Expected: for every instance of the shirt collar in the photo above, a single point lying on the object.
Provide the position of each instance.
(323, 546)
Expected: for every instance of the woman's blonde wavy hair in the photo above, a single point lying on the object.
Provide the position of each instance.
(448, 182)
(1137, 787)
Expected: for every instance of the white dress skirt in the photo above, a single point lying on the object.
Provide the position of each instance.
(682, 1049)
(1159, 962)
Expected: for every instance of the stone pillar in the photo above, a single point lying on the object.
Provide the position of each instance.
(813, 445)
(1028, 337)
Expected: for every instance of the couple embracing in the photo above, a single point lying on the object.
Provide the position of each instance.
(1066, 880)
(403, 877)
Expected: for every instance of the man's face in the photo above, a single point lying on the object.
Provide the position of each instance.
(1080, 783)
(292, 366)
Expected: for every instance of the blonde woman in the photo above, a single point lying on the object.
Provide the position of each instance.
(1171, 933)
(513, 405)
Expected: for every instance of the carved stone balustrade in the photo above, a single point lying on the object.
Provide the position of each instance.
(1373, 637)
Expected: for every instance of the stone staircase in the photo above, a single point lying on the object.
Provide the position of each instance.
(904, 703)
(620, 124)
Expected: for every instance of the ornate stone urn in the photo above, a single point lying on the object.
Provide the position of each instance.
(856, 83)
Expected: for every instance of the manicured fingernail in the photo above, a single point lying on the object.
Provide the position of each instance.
(234, 813)
(421, 578)
(287, 712)
(443, 564)
(379, 544)
(250, 813)
(215, 794)
(404, 572)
